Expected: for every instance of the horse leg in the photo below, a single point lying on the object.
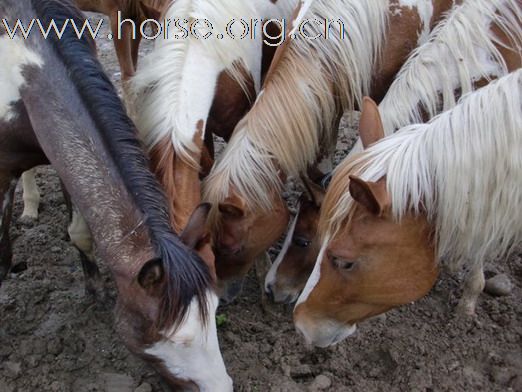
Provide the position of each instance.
(135, 47)
(7, 190)
(473, 286)
(31, 195)
(81, 239)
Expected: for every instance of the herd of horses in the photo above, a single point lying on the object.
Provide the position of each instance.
(434, 179)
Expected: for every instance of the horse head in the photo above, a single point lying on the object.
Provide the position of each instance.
(372, 262)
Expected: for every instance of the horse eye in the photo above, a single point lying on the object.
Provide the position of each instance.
(343, 264)
(301, 242)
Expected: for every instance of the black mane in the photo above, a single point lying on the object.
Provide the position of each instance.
(187, 275)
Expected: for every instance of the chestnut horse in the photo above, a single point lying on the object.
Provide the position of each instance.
(57, 104)
(446, 190)
(488, 46)
(294, 121)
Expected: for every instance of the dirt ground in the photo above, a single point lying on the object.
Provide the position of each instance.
(53, 339)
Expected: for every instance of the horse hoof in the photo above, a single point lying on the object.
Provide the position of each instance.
(27, 220)
(466, 309)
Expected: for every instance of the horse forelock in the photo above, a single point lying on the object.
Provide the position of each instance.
(187, 275)
(472, 205)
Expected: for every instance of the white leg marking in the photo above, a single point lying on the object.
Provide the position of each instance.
(192, 353)
(31, 195)
(272, 273)
(81, 235)
(473, 286)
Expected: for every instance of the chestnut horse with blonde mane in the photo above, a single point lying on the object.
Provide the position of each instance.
(489, 46)
(446, 190)
(294, 122)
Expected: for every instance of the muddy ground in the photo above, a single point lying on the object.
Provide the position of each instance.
(52, 338)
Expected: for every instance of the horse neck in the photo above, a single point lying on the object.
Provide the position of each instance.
(462, 67)
(72, 142)
(409, 26)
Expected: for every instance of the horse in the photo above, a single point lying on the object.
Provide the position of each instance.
(191, 88)
(488, 46)
(444, 190)
(166, 302)
(294, 121)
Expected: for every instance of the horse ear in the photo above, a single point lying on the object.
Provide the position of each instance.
(151, 275)
(196, 232)
(372, 195)
(371, 129)
(316, 192)
(150, 12)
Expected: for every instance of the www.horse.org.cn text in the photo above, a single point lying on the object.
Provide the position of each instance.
(274, 31)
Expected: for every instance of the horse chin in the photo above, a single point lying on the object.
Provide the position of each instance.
(326, 333)
(229, 290)
(283, 298)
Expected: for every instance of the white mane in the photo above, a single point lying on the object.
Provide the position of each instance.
(174, 86)
(295, 112)
(461, 50)
(464, 168)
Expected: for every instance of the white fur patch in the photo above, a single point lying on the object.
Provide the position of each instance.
(272, 273)
(14, 55)
(314, 277)
(425, 10)
(192, 353)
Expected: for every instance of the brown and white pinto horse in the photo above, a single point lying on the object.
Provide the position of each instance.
(137, 11)
(56, 103)
(490, 38)
(295, 118)
(447, 190)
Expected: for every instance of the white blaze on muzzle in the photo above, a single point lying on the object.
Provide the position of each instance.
(192, 354)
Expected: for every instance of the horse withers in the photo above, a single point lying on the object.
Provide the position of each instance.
(58, 106)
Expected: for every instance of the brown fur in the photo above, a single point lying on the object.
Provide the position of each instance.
(126, 47)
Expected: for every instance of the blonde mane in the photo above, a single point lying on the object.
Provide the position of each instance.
(464, 169)
(310, 82)
(461, 50)
(158, 86)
